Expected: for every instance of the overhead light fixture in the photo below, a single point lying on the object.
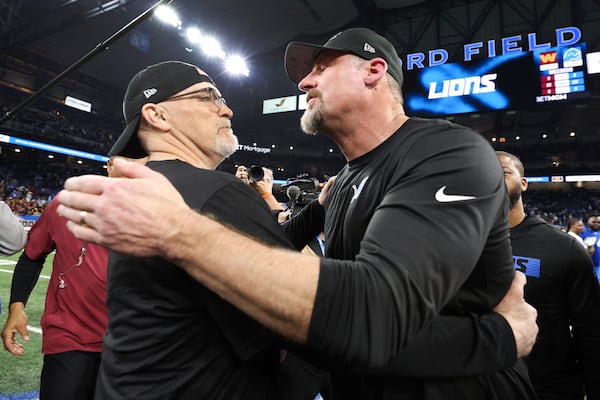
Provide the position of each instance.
(193, 35)
(167, 15)
(211, 47)
(237, 65)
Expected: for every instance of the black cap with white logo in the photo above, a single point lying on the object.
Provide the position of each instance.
(152, 85)
(363, 42)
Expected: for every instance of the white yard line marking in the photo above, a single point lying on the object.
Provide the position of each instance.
(34, 329)
(10, 272)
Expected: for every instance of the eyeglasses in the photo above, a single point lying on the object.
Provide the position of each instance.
(213, 96)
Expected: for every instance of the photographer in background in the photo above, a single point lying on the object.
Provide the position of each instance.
(298, 379)
(261, 179)
(242, 173)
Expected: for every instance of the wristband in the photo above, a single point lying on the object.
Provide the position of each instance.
(266, 195)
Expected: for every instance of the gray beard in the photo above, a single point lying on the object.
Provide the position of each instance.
(311, 121)
(226, 148)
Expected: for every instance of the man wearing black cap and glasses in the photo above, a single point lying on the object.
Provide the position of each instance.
(168, 336)
(390, 268)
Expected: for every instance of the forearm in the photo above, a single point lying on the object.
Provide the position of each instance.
(272, 201)
(305, 225)
(26, 275)
(453, 346)
(282, 301)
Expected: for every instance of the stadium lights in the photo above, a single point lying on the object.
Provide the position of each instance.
(236, 65)
(209, 45)
(167, 15)
(193, 35)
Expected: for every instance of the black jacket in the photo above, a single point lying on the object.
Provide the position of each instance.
(562, 287)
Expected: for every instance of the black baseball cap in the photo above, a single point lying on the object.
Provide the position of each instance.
(152, 85)
(363, 42)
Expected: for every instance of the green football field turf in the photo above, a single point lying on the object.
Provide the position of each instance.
(21, 374)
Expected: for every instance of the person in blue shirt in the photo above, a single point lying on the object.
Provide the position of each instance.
(591, 237)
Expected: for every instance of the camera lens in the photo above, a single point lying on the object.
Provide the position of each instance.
(256, 173)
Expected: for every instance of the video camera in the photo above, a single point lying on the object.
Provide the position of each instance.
(301, 190)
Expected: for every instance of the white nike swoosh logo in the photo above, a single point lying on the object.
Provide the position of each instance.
(449, 198)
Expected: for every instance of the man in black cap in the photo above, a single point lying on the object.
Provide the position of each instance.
(168, 336)
(385, 304)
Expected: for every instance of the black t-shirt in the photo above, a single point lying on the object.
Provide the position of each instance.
(168, 336)
(562, 287)
(414, 229)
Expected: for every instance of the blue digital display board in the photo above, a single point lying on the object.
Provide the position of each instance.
(520, 79)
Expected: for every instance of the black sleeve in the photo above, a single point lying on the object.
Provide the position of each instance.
(457, 346)
(26, 275)
(305, 225)
(583, 293)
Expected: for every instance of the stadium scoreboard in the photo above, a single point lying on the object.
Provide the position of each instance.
(515, 80)
(561, 72)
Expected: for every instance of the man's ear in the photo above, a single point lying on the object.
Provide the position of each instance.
(377, 69)
(155, 116)
(524, 184)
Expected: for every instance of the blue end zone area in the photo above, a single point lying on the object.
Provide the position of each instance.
(34, 395)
